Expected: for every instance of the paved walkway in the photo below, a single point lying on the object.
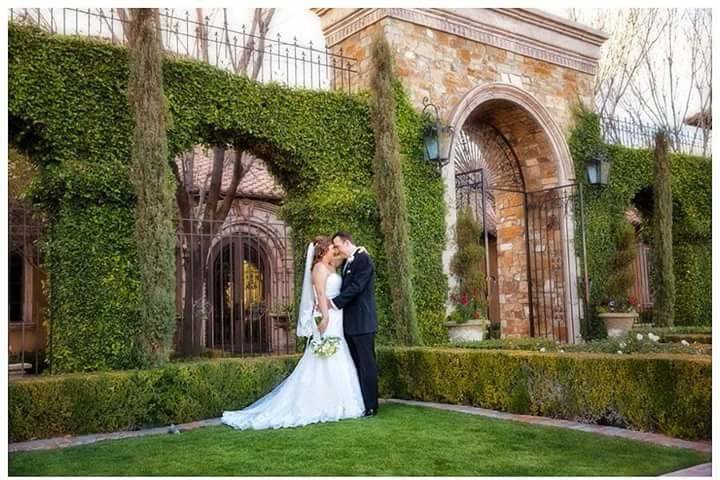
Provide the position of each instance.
(704, 470)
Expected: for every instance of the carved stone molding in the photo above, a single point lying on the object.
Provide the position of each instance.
(494, 91)
(528, 32)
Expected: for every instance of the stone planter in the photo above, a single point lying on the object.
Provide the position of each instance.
(470, 331)
(618, 324)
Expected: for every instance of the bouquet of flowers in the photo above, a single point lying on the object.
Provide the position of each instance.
(325, 346)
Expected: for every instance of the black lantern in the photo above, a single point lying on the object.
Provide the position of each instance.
(436, 137)
(598, 169)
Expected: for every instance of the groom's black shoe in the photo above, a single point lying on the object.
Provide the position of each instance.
(370, 413)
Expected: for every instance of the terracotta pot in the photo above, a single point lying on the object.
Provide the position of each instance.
(618, 324)
(470, 331)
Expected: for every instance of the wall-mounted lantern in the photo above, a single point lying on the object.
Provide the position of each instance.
(436, 137)
(598, 169)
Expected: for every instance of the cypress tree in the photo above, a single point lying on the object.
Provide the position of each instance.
(664, 278)
(154, 186)
(388, 187)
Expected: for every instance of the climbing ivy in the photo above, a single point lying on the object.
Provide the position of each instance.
(68, 111)
(631, 173)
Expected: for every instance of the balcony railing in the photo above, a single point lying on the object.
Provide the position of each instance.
(265, 58)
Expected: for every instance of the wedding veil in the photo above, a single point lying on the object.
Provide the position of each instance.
(306, 326)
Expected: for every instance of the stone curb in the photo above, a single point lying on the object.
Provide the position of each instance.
(656, 438)
(70, 441)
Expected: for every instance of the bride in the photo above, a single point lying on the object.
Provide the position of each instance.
(320, 389)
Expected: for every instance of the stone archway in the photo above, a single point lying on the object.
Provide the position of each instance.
(536, 143)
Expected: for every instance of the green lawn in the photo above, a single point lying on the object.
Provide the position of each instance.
(400, 440)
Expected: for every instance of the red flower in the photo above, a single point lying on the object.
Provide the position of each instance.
(464, 299)
(632, 301)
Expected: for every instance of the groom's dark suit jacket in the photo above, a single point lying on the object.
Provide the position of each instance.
(357, 296)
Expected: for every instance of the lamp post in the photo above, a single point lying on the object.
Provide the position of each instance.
(436, 137)
(598, 169)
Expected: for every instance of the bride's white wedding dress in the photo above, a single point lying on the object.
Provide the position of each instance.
(318, 390)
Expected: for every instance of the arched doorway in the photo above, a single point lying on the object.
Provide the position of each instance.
(511, 165)
(239, 292)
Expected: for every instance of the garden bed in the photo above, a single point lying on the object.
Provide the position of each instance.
(636, 342)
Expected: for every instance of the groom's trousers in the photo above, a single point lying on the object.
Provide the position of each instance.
(362, 350)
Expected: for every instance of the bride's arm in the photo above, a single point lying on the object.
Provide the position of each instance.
(319, 276)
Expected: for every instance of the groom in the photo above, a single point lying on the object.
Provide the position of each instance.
(357, 300)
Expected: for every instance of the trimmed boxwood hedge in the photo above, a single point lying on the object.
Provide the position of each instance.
(82, 403)
(665, 393)
(68, 111)
(670, 394)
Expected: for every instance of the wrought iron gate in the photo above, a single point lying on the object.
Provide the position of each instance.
(557, 283)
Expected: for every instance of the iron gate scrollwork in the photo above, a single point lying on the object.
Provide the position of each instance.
(488, 171)
(556, 262)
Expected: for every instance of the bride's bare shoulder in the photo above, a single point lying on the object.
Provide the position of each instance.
(320, 269)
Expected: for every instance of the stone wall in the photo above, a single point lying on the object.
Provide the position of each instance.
(540, 67)
(444, 66)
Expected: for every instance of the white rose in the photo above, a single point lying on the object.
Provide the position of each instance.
(542, 349)
(684, 342)
(620, 351)
(639, 336)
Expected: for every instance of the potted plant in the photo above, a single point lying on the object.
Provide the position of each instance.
(468, 321)
(619, 311)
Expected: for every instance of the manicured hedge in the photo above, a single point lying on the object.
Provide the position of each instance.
(81, 403)
(68, 111)
(670, 394)
(665, 393)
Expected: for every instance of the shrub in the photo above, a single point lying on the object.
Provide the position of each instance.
(666, 393)
(82, 403)
(670, 394)
(691, 338)
(467, 265)
(622, 276)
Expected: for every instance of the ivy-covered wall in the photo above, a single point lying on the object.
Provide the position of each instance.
(631, 179)
(68, 110)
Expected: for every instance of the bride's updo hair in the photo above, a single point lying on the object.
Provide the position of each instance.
(322, 245)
